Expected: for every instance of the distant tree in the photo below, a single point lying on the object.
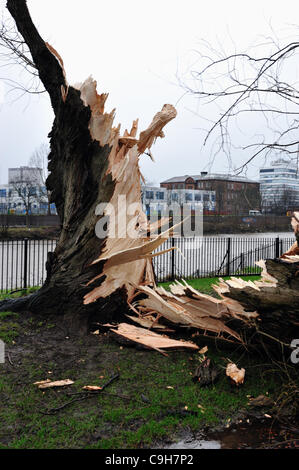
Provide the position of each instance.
(26, 186)
(281, 201)
(39, 160)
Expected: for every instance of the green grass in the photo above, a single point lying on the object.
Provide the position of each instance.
(17, 293)
(119, 417)
(9, 328)
(111, 421)
(204, 285)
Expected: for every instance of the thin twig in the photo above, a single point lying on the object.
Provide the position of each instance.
(85, 395)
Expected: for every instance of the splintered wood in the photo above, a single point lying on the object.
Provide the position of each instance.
(236, 375)
(49, 384)
(187, 307)
(125, 260)
(150, 339)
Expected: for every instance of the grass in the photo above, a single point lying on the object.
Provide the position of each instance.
(111, 421)
(18, 293)
(9, 329)
(41, 232)
(153, 399)
(204, 285)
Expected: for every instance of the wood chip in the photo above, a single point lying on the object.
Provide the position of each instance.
(58, 383)
(236, 375)
(92, 387)
(150, 339)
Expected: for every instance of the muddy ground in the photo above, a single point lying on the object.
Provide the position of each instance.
(152, 401)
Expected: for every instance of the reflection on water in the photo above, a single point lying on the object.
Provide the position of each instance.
(194, 444)
(245, 436)
(255, 235)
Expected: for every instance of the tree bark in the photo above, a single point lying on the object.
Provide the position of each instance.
(100, 277)
(276, 305)
(89, 163)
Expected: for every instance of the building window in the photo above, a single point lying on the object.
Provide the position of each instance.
(149, 194)
(188, 197)
(159, 195)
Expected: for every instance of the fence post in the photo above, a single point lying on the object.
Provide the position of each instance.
(242, 262)
(172, 260)
(228, 256)
(277, 250)
(25, 262)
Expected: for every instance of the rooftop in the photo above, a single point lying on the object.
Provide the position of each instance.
(210, 176)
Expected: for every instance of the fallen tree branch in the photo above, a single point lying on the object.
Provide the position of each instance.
(85, 396)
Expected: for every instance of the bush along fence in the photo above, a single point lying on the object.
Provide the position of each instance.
(22, 262)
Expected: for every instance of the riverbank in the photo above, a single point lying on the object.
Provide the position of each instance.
(152, 401)
(32, 233)
(245, 224)
(52, 233)
(46, 227)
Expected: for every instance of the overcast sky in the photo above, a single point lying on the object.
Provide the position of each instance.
(134, 49)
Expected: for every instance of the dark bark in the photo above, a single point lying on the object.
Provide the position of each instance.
(89, 164)
(77, 183)
(278, 307)
(48, 67)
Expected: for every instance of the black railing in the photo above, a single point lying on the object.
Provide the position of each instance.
(22, 262)
(216, 256)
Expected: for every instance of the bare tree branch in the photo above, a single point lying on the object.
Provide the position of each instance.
(14, 52)
(245, 83)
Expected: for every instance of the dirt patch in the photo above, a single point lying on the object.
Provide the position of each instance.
(153, 400)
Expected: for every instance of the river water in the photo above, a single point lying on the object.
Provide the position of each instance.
(217, 255)
(257, 235)
(257, 435)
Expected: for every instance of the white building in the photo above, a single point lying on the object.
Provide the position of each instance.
(154, 200)
(25, 191)
(25, 174)
(279, 186)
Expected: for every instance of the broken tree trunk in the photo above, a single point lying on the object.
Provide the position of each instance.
(260, 312)
(101, 268)
(94, 175)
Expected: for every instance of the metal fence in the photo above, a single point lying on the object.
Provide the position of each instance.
(216, 256)
(22, 262)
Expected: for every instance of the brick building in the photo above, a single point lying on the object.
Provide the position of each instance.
(235, 195)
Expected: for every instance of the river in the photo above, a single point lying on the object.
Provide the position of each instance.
(217, 255)
(255, 235)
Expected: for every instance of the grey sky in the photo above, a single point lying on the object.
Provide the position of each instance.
(134, 49)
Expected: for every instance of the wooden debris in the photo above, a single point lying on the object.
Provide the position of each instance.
(91, 388)
(150, 339)
(48, 384)
(236, 375)
(261, 401)
(150, 322)
(196, 313)
(206, 373)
